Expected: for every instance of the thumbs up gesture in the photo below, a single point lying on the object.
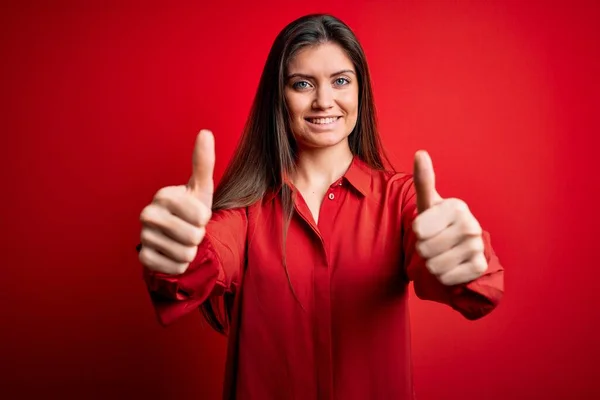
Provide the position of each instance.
(449, 237)
(174, 224)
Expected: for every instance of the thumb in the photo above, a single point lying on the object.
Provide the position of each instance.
(201, 183)
(424, 178)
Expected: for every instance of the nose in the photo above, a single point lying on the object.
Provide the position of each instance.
(324, 98)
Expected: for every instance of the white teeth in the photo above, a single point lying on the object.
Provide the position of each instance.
(323, 120)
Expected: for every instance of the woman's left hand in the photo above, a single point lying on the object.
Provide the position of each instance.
(449, 237)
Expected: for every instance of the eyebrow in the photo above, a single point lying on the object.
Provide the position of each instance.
(344, 71)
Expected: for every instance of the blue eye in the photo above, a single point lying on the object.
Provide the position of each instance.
(342, 81)
(300, 85)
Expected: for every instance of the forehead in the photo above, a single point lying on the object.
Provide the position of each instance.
(324, 58)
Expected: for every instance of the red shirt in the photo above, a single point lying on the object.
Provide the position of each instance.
(343, 332)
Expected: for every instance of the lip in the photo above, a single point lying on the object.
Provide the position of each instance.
(322, 116)
(323, 127)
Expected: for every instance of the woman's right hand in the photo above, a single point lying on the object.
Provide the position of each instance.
(174, 224)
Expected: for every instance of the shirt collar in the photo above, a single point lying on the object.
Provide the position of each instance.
(358, 176)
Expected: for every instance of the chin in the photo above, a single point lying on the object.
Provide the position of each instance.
(323, 140)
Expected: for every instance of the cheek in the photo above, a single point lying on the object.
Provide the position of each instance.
(350, 102)
(296, 106)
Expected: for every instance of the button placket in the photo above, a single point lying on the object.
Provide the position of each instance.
(332, 190)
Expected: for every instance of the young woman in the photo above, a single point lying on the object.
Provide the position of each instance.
(304, 253)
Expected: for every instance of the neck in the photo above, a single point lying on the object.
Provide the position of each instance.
(322, 167)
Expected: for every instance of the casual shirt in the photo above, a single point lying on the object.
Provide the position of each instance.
(332, 322)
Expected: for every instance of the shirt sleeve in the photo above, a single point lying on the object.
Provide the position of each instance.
(215, 270)
(473, 299)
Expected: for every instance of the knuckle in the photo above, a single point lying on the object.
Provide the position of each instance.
(206, 214)
(471, 247)
(431, 266)
(478, 246)
(144, 257)
(479, 267)
(147, 214)
(168, 197)
(446, 279)
(416, 226)
(421, 249)
(180, 268)
(190, 253)
(476, 229)
(459, 206)
(164, 193)
(196, 236)
(469, 225)
(202, 214)
(146, 236)
(473, 226)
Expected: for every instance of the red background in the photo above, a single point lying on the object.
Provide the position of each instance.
(100, 107)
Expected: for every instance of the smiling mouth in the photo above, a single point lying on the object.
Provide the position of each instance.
(322, 121)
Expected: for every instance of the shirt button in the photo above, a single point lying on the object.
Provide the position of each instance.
(331, 196)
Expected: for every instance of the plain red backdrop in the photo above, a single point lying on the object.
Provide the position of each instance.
(100, 107)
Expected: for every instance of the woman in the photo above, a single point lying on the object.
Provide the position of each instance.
(304, 255)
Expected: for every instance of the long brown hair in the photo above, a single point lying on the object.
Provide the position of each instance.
(267, 151)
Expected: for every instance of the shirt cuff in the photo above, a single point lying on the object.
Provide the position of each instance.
(196, 282)
(474, 299)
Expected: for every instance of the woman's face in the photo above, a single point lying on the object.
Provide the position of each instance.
(321, 92)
